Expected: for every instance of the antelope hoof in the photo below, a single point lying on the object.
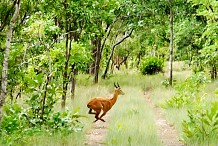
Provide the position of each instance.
(99, 119)
(102, 120)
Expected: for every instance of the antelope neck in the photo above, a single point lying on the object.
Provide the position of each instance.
(114, 99)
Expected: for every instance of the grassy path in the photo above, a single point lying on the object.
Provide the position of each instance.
(166, 132)
(97, 135)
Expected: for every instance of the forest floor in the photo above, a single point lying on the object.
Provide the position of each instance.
(167, 133)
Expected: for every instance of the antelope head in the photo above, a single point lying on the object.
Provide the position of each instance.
(118, 89)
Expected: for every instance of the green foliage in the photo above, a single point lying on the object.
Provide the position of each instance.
(207, 60)
(151, 65)
(39, 48)
(80, 56)
(13, 125)
(187, 91)
(202, 125)
(187, 33)
(66, 121)
(12, 120)
(19, 123)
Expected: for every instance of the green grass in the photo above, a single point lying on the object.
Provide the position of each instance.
(132, 122)
(59, 139)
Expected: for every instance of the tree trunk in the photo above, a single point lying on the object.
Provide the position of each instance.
(94, 52)
(213, 72)
(68, 47)
(45, 96)
(97, 60)
(171, 44)
(123, 61)
(6, 55)
(65, 72)
(112, 64)
(97, 51)
(108, 62)
(98, 48)
(73, 81)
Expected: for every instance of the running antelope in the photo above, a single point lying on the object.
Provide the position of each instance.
(99, 104)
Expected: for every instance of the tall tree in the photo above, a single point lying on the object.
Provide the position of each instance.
(6, 56)
(171, 43)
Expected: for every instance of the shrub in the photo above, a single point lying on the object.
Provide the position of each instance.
(201, 125)
(151, 65)
(18, 124)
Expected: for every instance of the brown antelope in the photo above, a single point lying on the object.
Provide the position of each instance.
(99, 104)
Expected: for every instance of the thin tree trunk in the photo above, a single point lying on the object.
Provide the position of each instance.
(139, 59)
(73, 81)
(112, 53)
(97, 44)
(6, 55)
(94, 52)
(45, 96)
(97, 60)
(67, 57)
(171, 44)
(65, 75)
(213, 72)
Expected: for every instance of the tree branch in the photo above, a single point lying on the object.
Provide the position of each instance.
(123, 39)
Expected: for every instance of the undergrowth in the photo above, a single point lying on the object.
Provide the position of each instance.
(200, 127)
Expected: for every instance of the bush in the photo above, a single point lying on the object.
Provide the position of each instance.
(202, 125)
(18, 124)
(151, 65)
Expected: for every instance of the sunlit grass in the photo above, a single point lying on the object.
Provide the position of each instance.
(58, 139)
(132, 122)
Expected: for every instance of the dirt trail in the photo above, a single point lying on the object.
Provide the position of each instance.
(166, 132)
(96, 136)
